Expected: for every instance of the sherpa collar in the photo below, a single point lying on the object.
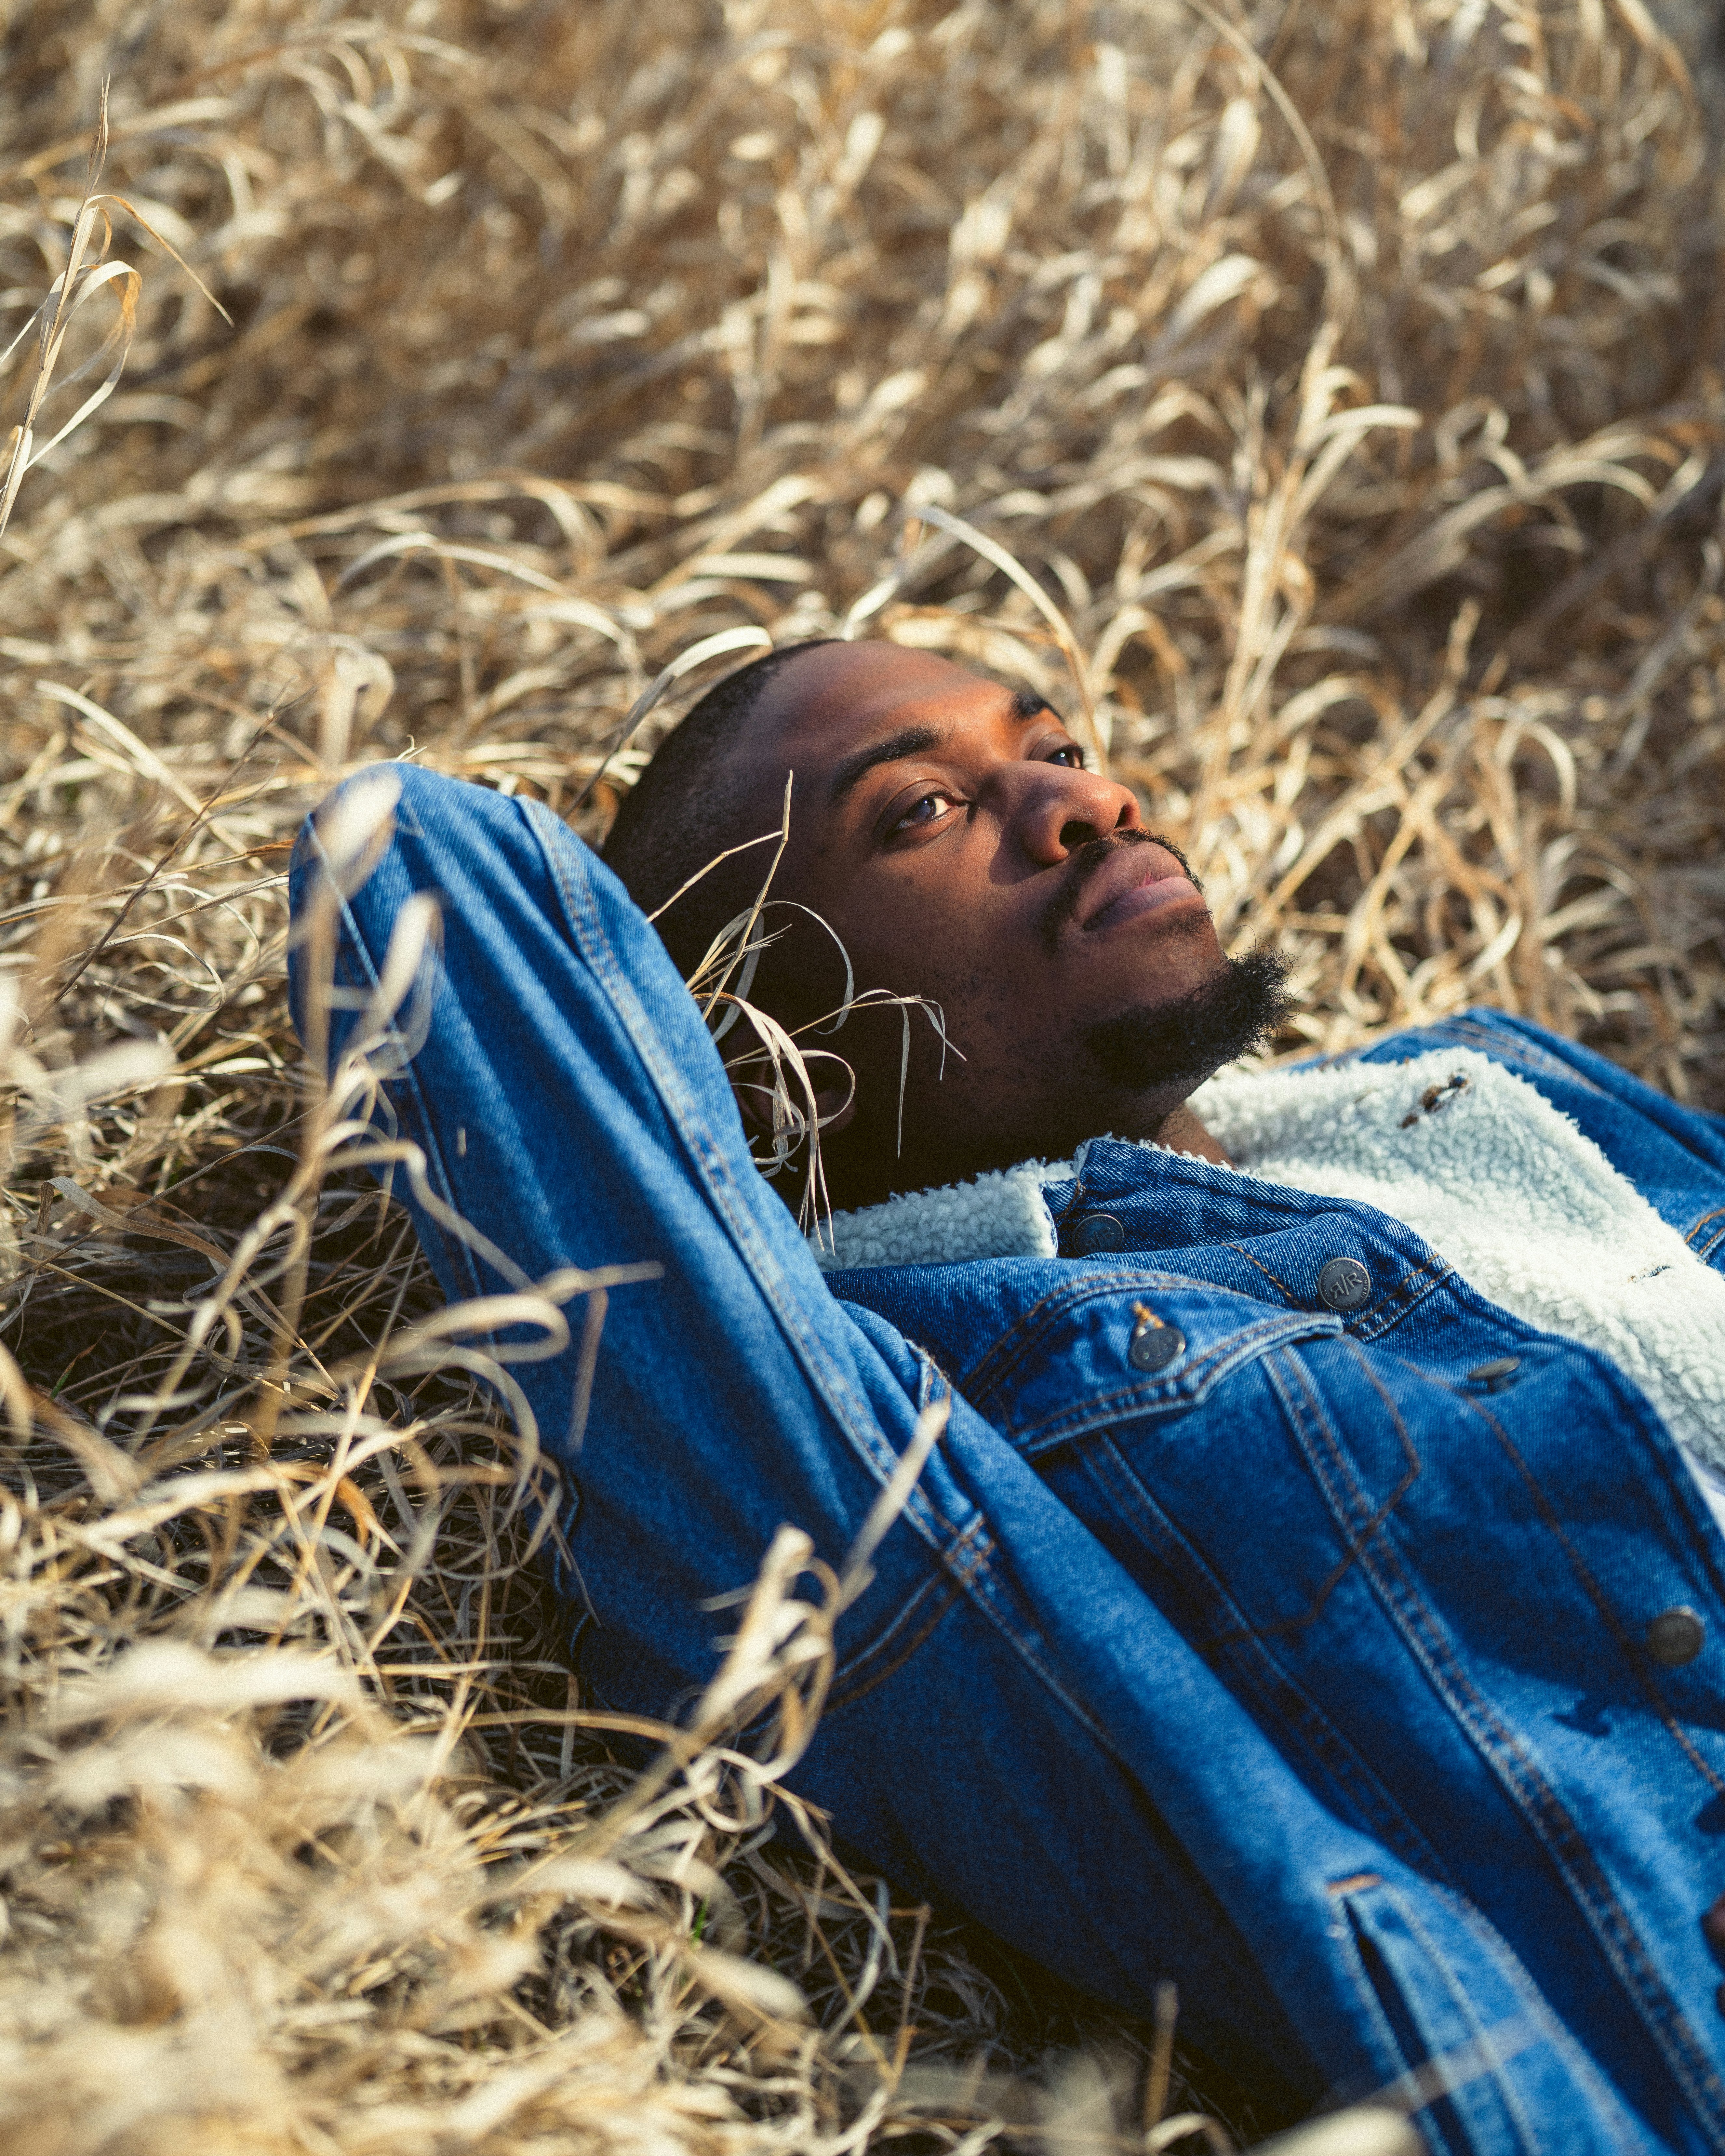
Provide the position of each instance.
(1002, 1214)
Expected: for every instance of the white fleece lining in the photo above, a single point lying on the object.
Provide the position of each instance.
(1470, 1157)
(1002, 1214)
(1507, 1188)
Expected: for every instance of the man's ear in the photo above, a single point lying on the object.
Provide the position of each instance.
(752, 1082)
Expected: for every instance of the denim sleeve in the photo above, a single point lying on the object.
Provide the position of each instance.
(571, 1108)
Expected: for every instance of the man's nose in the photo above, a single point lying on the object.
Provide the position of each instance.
(1055, 810)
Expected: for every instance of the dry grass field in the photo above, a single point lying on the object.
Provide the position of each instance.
(1342, 371)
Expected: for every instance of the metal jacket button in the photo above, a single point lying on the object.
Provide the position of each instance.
(1154, 1344)
(1098, 1231)
(1712, 1929)
(1676, 1637)
(1344, 1284)
(1495, 1376)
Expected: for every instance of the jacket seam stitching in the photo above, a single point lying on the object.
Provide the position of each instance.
(408, 1078)
(1145, 1397)
(1334, 1751)
(946, 1589)
(979, 1384)
(837, 1396)
(1534, 1795)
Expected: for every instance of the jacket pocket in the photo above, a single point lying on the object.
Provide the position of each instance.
(1116, 1346)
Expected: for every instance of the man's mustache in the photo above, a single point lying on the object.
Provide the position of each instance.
(1063, 908)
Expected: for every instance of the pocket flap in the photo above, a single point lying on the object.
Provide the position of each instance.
(1119, 1345)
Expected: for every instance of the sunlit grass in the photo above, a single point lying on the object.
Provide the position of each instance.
(1318, 404)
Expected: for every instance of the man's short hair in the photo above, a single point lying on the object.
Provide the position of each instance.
(686, 807)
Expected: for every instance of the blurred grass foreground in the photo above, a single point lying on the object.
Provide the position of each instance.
(1343, 370)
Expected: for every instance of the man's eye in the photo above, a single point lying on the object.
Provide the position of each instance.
(1071, 755)
(928, 809)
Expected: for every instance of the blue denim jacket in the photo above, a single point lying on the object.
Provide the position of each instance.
(1299, 1667)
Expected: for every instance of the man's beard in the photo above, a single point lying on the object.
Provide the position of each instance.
(1180, 1044)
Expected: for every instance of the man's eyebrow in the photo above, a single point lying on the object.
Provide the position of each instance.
(917, 740)
(914, 740)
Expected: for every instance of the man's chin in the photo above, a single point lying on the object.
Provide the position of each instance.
(1156, 1048)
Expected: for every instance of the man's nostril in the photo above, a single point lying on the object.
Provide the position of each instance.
(1074, 834)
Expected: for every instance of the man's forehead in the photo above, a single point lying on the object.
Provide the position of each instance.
(838, 698)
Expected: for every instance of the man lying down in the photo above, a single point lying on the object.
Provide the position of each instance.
(1313, 1597)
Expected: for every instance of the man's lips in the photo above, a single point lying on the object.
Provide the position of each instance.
(1134, 881)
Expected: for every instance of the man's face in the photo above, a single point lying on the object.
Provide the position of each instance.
(948, 832)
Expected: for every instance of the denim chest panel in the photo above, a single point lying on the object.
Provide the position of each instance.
(1120, 1344)
(1435, 1583)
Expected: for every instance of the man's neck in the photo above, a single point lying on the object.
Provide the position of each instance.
(856, 1179)
(1181, 1131)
